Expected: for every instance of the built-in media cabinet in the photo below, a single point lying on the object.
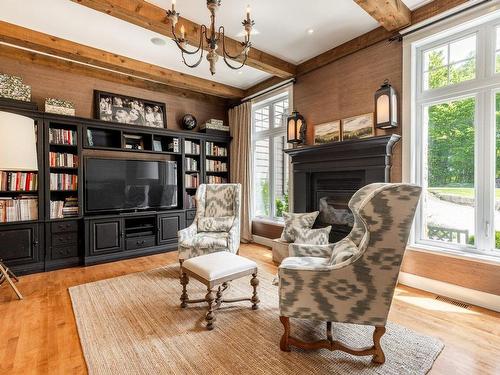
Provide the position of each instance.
(59, 230)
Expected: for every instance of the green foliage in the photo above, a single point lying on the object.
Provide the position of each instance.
(472, 240)
(451, 128)
(281, 205)
(264, 191)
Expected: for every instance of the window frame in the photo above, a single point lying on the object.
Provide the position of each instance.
(483, 88)
(271, 134)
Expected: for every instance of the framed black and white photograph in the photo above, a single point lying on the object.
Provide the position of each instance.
(157, 146)
(358, 127)
(129, 110)
(327, 132)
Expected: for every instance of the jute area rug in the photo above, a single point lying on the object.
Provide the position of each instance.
(133, 325)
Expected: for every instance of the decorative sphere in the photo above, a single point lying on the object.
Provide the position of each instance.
(189, 122)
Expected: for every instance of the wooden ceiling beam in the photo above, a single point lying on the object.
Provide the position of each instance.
(152, 17)
(390, 14)
(31, 57)
(44, 43)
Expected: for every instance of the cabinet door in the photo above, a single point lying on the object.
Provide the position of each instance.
(168, 226)
(106, 236)
(19, 245)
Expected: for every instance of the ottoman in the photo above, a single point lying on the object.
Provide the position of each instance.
(218, 269)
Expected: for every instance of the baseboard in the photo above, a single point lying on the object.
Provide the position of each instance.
(474, 297)
(263, 240)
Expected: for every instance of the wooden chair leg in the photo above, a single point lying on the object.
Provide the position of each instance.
(210, 297)
(254, 282)
(284, 343)
(379, 356)
(6, 275)
(184, 295)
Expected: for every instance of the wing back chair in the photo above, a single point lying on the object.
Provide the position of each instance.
(353, 280)
(216, 226)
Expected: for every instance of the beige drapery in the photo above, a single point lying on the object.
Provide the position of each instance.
(240, 123)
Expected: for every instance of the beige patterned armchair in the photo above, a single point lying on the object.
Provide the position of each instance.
(216, 226)
(353, 280)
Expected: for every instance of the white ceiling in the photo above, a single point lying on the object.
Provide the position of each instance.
(282, 27)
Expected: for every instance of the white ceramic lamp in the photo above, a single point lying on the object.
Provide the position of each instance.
(17, 143)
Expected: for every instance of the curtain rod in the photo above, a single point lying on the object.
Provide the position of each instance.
(399, 37)
(270, 89)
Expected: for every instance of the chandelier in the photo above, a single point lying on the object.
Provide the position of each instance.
(212, 38)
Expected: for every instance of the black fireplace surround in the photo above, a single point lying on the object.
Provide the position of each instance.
(326, 176)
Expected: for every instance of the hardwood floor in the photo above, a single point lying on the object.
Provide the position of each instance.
(39, 336)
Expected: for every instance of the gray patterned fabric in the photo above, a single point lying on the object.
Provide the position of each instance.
(215, 224)
(216, 205)
(318, 236)
(352, 281)
(297, 221)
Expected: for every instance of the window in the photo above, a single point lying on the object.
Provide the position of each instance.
(270, 163)
(455, 139)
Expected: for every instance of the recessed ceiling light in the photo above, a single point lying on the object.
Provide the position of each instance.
(310, 31)
(158, 41)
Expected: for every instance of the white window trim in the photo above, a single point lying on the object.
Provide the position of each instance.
(272, 132)
(413, 100)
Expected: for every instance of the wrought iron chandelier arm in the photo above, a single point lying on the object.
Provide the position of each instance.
(244, 52)
(179, 42)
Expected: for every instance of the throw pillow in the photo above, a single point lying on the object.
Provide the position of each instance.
(293, 221)
(343, 250)
(318, 236)
(215, 224)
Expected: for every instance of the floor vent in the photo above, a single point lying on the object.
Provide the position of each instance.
(463, 305)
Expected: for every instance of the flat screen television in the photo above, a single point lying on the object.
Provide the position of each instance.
(129, 185)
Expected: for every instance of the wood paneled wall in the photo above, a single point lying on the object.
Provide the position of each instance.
(346, 88)
(53, 83)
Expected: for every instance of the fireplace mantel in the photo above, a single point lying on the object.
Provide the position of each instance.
(330, 174)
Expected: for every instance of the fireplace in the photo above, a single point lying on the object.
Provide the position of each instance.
(326, 176)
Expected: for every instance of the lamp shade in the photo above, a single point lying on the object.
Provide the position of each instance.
(386, 107)
(17, 143)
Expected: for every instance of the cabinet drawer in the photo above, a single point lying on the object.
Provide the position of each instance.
(64, 226)
(61, 252)
(140, 242)
(61, 239)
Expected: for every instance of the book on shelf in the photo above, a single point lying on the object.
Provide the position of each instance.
(173, 146)
(22, 208)
(191, 164)
(63, 209)
(216, 180)
(62, 137)
(216, 166)
(63, 181)
(192, 181)
(190, 201)
(18, 181)
(59, 159)
(214, 150)
(191, 147)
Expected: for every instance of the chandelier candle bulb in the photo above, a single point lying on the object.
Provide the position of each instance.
(173, 5)
(248, 12)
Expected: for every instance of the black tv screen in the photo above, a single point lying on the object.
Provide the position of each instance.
(115, 184)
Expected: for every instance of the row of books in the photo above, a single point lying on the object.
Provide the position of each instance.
(173, 146)
(216, 180)
(216, 166)
(191, 164)
(23, 208)
(65, 208)
(192, 180)
(58, 159)
(63, 181)
(62, 137)
(190, 201)
(191, 147)
(18, 181)
(214, 150)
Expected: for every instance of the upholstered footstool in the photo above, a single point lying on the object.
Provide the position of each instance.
(218, 269)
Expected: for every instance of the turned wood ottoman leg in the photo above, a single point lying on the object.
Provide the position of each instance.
(254, 282)
(184, 295)
(210, 314)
